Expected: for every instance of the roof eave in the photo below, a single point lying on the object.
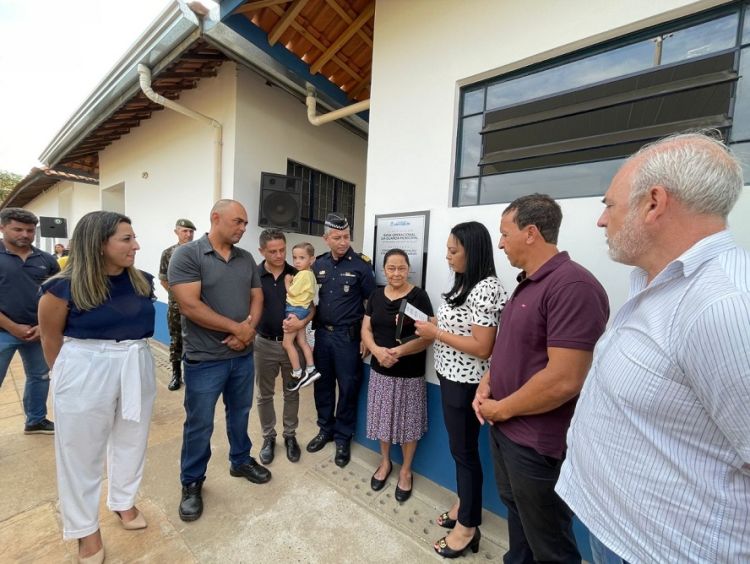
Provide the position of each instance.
(157, 47)
(244, 51)
(19, 196)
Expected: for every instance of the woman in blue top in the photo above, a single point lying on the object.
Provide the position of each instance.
(94, 319)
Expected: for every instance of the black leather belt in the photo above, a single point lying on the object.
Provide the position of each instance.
(271, 337)
(353, 330)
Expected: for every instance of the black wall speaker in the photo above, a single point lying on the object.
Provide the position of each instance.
(280, 201)
(55, 227)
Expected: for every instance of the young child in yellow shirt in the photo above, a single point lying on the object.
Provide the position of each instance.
(300, 291)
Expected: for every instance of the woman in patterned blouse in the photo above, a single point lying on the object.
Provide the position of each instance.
(464, 336)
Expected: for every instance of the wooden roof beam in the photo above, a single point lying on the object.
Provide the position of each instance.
(286, 20)
(319, 46)
(189, 74)
(326, 56)
(114, 123)
(203, 58)
(257, 5)
(354, 92)
(336, 7)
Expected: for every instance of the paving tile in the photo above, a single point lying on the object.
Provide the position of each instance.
(28, 476)
(311, 511)
(33, 536)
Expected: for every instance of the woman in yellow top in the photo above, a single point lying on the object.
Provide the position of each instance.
(300, 291)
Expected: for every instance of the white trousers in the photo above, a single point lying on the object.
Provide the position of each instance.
(103, 395)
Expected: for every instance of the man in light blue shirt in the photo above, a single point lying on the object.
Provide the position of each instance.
(658, 463)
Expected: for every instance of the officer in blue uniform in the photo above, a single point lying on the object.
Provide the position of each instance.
(346, 281)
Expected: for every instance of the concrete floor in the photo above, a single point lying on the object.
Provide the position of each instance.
(311, 511)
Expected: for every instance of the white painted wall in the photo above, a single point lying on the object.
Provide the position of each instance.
(70, 200)
(424, 50)
(272, 127)
(166, 167)
(166, 164)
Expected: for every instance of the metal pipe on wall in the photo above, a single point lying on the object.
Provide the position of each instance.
(145, 80)
(311, 103)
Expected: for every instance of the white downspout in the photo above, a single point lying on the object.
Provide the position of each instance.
(145, 80)
(315, 119)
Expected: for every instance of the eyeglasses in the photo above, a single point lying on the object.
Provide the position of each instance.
(395, 269)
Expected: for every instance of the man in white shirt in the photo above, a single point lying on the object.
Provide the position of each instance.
(658, 463)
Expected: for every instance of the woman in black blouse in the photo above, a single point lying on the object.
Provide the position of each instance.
(397, 396)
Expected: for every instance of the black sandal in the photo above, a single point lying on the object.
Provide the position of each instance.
(445, 521)
(446, 551)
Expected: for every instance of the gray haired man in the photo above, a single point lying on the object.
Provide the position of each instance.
(658, 463)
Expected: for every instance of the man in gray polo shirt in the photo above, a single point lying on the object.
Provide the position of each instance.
(217, 287)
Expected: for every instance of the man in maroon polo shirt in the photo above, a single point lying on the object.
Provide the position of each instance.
(542, 354)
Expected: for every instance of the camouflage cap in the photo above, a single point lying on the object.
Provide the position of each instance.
(336, 221)
(185, 223)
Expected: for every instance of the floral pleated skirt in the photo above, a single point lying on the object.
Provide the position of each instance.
(396, 408)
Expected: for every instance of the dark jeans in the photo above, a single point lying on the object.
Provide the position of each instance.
(540, 524)
(37, 374)
(205, 381)
(602, 554)
(337, 358)
(463, 438)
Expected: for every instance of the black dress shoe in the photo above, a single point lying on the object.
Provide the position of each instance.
(318, 442)
(191, 506)
(402, 495)
(251, 471)
(376, 484)
(176, 381)
(292, 449)
(266, 453)
(343, 454)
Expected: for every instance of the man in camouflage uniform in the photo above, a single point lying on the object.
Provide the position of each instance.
(184, 229)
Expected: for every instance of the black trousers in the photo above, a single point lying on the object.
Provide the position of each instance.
(463, 438)
(540, 524)
(337, 358)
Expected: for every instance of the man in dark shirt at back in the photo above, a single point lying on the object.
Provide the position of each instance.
(542, 354)
(270, 356)
(23, 268)
(346, 281)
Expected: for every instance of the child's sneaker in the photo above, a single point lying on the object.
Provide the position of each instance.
(309, 377)
(296, 383)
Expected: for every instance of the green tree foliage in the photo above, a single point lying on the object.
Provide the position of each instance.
(8, 181)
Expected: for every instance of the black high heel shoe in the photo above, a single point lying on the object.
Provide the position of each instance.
(376, 484)
(446, 551)
(445, 521)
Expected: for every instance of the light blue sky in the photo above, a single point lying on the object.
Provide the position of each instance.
(53, 53)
